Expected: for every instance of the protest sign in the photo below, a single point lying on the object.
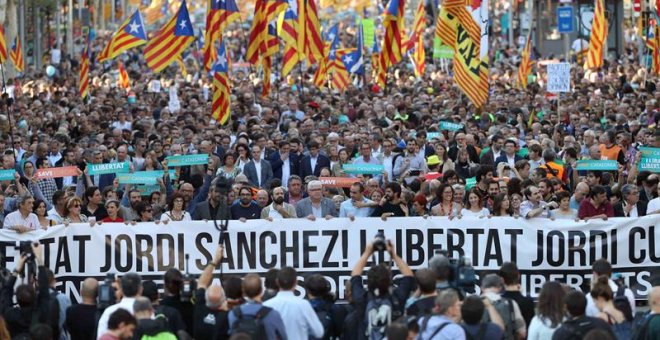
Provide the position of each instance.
(431, 135)
(650, 160)
(450, 126)
(470, 182)
(56, 172)
(108, 168)
(559, 250)
(364, 169)
(559, 77)
(182, 160)
(368, 31)
(146, 190)
(7, 175)
(591, 164)
(338, 182)
(144, 177)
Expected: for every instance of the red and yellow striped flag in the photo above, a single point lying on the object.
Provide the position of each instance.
(16, 55)
(525, 67)
(314, 46)
(221, 107)
(83, 85)
(166, 46)
(123, 81)
(598, 37)
(290, 31)
(3, 45)
(219, 15)
(417, 38)
(265, 11)
(392, 51)
(459, 31)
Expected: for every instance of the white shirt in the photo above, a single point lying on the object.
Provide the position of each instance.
(55, 216)
(469, 213)
(633, 212)
(347, 208)
(273, 213)
(124, 126)
(257, 166)
(286, 172)
(299, 317)
(540, 329)
(592, 310)
(167, 216)
(125, 303)
(317, 212)
(54, 158)
(312, 162)
(653, 205)
(16, 218)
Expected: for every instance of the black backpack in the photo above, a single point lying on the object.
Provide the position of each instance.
(480, 335)
(325, 314)
(622, 304)
(252, 325)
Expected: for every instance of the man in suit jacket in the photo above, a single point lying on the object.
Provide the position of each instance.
(630, 205)
(495, 151)
(316, 206)
(213, 208)
(314, 162)
(284, 163)
(461, 143)
(509, 156)
(258, 171)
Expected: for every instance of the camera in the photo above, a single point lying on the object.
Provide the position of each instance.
(379, 242)
(25, 247)
(462, 275)
(106, 292)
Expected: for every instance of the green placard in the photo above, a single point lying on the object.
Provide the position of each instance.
(368, 32)
(108, 168)
(470, 182)
(146, 190)
(441, 51)
(450, 126)
(597, 165)
(357, 169)
(7, 175)
(144, 177)
(184, 160)
(431, 135)
(650, 160)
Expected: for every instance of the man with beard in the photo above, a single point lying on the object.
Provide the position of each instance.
(245, 208)
(278, 209)
(128, 212)
(391, 205)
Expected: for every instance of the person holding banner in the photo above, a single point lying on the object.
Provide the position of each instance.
(596, 206)
(112, 207)
(72, 212)
(175, 210)
(357, 205)
(278, 209)
(23, 219)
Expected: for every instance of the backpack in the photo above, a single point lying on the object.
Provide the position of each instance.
(622, 304)
(480, 335)
(504, 307)
(165, 334)
(53, 307)
(325, 314)
(423, 328)
(641, 328)
(379, 314)
(251, 325)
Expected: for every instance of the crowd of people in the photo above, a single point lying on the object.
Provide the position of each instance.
(517, 156)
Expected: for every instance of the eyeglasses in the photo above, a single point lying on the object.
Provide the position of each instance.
(75, 206)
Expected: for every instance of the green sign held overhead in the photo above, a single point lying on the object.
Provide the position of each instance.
(183, 160)
(650, 160)
(357, 169)
(591, 164)
(450, 126)
(108, 168)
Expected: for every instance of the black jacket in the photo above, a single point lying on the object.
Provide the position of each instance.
(575, 329)
(641, 209)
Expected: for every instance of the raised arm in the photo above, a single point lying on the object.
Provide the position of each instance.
(207, 275)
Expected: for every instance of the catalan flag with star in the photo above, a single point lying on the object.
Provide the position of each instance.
(292, 34)
(168, 44)
(3, 45)
(219, 15)
(130, 34)
(221, 107)
(16, 55)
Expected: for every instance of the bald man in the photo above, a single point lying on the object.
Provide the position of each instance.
(581, 191)
(81, 318)
(210, 321)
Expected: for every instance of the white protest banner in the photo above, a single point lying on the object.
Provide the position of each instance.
(154, 86)
(559, 77)
(560, 250)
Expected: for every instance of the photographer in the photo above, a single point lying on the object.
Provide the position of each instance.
(210, 315)
(173, 280)
(380, 301)
(31, 304)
